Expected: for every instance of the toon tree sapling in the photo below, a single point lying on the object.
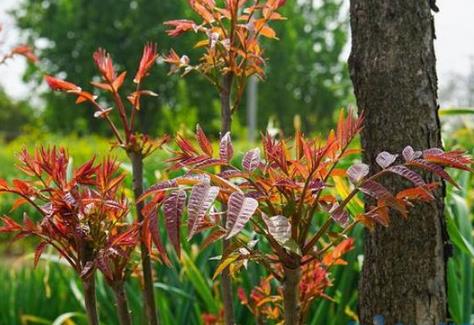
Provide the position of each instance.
(232, 54)
(282, 195)
(137, 145)
(82, 215)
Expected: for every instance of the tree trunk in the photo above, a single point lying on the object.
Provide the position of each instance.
(392, 66)
(226, 125)
(90, 300)
(291, 301)
(148, 293)
(123, 311)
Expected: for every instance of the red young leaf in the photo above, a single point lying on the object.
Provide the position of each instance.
(239, 211)
(203, 141)
(38, 251)
(104, 63)
(150, 54)
(334, 257)
(422, 193)
(173, 208)
(179, 26)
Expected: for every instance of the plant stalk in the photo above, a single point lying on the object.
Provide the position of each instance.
(123, 311)
(136, 159)
(90, 300)
(291, 297)
(226, 123)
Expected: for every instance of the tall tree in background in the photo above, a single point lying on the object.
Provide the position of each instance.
(308, 75)
(392, 67)
(71, 30)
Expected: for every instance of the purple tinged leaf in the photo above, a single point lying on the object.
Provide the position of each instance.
(432, 152)
(339, 215)
(385, 159)
(409, 154)
(279, 227)
(239, 211)
(156, 237)
(103, 264)
(433, 168)
(251, 160)
(408, 174)
(173, 208)
(226, 149)
(375, 190)
(201, 198)
(357, 172)
(316, 185)
(162, 186)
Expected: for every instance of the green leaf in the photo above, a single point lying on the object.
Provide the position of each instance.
(199, 283)
(456, 111)
(453, 294)
(456, 237)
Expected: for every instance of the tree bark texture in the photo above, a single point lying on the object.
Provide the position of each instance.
(136, 159)
(392, 66)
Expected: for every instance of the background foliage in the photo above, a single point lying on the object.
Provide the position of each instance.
(307, 74)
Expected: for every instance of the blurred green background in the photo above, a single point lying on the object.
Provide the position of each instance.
(307, 81)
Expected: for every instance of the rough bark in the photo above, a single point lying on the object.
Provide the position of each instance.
(226, 125)
(148, 293)
(392, 66)
(90, 300)
(291, 295)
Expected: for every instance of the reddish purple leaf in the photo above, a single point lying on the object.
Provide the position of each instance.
(239, 211)
(375, 190)
(408, 174)
(251, 160)
(201, 198)
(156, 237)
(226, 149)
(339, 215)
(409, 154)
(385, 159)
(432, 152)
(173, 208)
(433, 168)
(357, 172)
